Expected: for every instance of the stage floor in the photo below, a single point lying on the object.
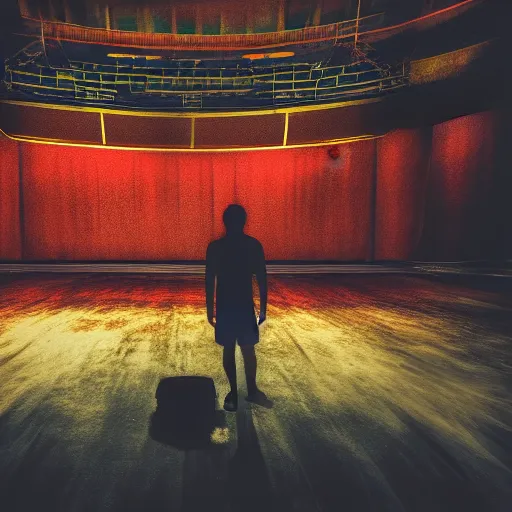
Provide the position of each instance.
(391, 393)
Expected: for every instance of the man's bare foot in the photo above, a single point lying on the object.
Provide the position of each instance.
(259, 398)
(231, 402)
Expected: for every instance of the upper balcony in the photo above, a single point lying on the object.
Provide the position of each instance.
(39, 72)
(222, 26)
(236, 66)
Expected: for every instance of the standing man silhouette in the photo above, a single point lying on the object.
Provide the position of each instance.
(233, 259)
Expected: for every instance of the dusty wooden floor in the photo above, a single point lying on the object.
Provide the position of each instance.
(391, 394)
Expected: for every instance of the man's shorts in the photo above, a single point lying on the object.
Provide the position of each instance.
(241, 328)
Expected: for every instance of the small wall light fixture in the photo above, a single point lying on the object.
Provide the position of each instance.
(334, 152)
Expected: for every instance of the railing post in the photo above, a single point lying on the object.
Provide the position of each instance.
(274, 86)
(357, 23)
(107, 18)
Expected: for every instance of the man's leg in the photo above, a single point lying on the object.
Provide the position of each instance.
(228, 359)
(250, 365)
(254, 394)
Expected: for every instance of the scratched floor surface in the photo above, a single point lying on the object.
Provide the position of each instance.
(390, 393)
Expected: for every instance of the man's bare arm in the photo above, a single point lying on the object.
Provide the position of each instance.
(261, 278)
(210, 284)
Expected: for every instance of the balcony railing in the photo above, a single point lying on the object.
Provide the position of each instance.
(190, 85)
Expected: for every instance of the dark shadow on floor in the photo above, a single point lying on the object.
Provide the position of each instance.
(211, 481)
(248, 487)
(186, 414)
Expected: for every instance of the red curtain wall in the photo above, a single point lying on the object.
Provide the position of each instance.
(459, 202)
(433, 199)
(402, 172)
(90, 204)
(10, 242)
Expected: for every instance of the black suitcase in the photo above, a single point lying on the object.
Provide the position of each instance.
(185, 412)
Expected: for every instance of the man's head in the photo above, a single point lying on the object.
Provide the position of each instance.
(234, 218)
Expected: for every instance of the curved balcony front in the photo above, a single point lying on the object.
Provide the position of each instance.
(369, 29)
(434, 96)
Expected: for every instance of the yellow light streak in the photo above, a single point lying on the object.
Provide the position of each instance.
(41, 140)
(238, 113)
(132, 56)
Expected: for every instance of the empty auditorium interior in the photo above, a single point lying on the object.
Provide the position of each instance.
(369, 144)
